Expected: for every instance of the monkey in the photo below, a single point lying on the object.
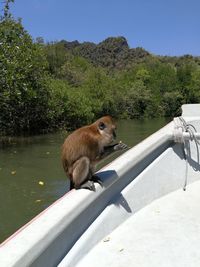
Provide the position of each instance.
(84, 147)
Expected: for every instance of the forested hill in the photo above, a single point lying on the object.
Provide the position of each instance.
(46, 86)
(114, 52)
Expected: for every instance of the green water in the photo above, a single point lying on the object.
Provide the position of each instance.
(31, 174)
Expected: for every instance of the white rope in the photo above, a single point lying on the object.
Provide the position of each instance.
(181, 126)
(178, 130)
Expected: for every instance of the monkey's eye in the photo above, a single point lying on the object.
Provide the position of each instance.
(102, 126)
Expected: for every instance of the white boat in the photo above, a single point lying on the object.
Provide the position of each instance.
(140, 217)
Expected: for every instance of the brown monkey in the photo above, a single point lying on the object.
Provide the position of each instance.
(84, 147)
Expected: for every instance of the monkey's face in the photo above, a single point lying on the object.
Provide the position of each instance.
(107, 129)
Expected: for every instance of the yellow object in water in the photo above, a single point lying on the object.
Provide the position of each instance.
(41, 183)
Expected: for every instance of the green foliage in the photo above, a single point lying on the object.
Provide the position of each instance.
(138, 98)
(23, 93)
(172, 102)
(7, 14)
(75, 70)
(78, 110)
(194, 86)
(56, 57)
(68, 107)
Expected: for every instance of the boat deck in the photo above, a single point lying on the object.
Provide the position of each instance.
(163, 234)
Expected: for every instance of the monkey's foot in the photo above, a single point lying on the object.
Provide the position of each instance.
(88, 185)
(96, 179)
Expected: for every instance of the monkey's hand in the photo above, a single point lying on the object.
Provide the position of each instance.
(120, 146)
(112, 148)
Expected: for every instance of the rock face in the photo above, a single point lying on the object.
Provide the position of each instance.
(113, 52)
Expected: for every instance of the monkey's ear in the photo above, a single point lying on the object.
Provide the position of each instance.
(102, 126)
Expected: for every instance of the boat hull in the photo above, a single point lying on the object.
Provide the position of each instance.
(68, 229)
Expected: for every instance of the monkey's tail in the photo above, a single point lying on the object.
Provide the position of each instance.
(69, 173)
(67, 169)
(65, 166)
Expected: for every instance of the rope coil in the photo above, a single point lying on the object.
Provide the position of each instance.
(181, 127)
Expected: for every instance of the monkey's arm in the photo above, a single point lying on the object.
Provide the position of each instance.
(112, 148)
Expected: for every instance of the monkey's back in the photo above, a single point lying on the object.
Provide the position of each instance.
(83, 142)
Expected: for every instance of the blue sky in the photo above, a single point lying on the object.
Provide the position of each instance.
(163, 27)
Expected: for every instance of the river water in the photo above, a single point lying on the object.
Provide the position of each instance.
(31, 174)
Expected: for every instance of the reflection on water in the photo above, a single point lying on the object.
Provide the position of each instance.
(31, 174)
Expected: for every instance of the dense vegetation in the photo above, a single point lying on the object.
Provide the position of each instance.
(66, 84)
